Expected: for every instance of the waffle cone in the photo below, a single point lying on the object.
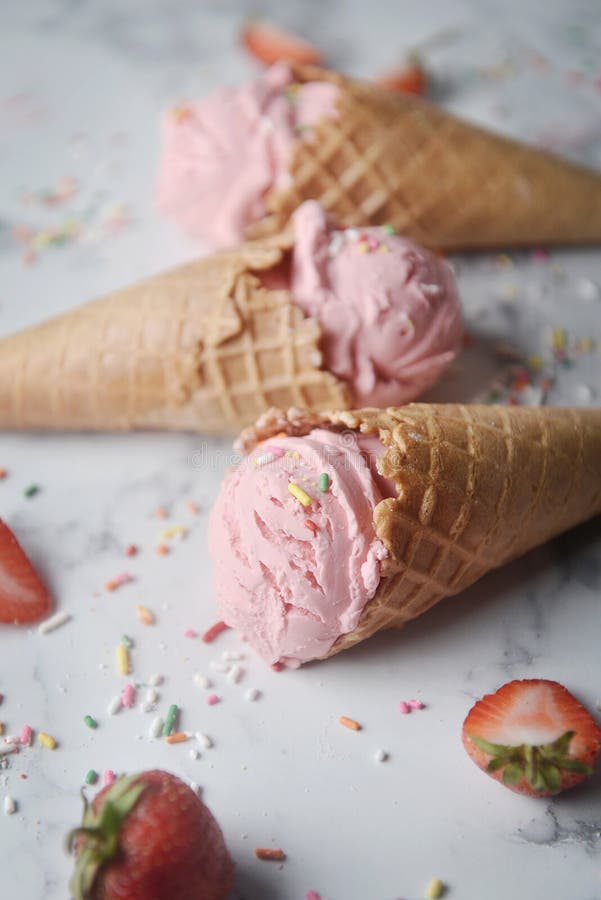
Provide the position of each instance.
(446, 184)
(477, 487)
(203, 347)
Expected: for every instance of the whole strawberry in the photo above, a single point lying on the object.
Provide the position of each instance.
(149, 837)
(23, 597)
(533, 736)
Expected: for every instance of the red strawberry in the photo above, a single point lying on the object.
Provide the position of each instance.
(533, 736)
(23, 597)
(149, 837)
(408, 79)
(269, 44)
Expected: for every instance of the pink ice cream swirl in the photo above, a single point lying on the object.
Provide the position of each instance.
(221, 156)
(293, 575)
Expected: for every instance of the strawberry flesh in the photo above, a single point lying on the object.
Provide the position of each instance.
(23, 596)
(270, 44)
(533, 736)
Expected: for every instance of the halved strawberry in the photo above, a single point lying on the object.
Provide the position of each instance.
(533, 736)
(269, 44)
(408, 79)
(23, 597)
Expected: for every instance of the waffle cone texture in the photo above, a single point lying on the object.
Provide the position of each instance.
(477, 487)
(203, 347)
(448, 185)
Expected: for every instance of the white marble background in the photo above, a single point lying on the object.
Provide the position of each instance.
(82, 85)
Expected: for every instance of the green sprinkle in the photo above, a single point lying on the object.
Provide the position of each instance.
(90, 722)
(324, 482)
(126, 641)
(91, 777)
(170, 720)
(388, 229)
(32, 490)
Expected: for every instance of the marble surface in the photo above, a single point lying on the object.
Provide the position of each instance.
(81, 89)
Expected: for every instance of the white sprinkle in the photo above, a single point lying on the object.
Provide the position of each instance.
(380, 756)
(351, 233)
(5, 749)
(583, 393)
(335, 244)
(218, 666)
(231, 656)
(12, 739)
(195, 787)
(532, 396)
(235, 674)
(265, 123)
(252, 694)
(156, 726)
(202, 681)
(146, 707)
(588, 290)
(204, 739)
(114, 706)
(155, 680)
(194, 754)
(151, 696)
(10, 806)
(431, 289)
(55, 621)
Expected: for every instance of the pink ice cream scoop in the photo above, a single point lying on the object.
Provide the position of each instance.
(222, 155)
(295, 553)
(388, 310)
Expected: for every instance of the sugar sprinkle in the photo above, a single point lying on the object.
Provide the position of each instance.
(54, 622)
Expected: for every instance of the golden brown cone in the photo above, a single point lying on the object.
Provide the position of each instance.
(446, 184)
(477, 487)
(201, 348)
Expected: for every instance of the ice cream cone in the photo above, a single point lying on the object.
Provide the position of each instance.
(203, 347)
(477, 487)
(447, 184)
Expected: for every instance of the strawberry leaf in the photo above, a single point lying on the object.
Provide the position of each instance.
(512, 773)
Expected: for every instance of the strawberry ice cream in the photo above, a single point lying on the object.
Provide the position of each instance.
(222, 155)
(388, 310)
(295, 554)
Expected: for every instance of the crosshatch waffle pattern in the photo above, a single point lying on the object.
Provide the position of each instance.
(477, 487)
(202, 348)
(444, 183)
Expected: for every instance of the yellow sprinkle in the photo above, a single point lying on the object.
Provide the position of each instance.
(558, 339)
(584, 345)
(363, 247)
(383, 248)
(46, 740)
(535, 363)
(144, 615)
(122, 657)
(434, 889)
(173, 531)
(299, 494)
(1, 727)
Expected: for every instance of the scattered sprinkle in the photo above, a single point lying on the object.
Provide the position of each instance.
(162, 550)
(212, 699)
(212, 632)
(6, 749)
(91, 776)
(434, 889)
(388, 229)
(192, 508)
(349, 723)
(218, 666)
(298, 493)
(160, 512)
(195, 787)
(108, 777)
(54, 622)
(117, 581)
(131, 550)
(26, 736)
(122, 660)
(155, 680)
(312, 895)
(270, 854)
(252, 694)
(231, 656)
(173, 531)
(276, 667)
(151, 696)
(380, 756)
(127, 641)
(202, 681)
(128, 695)
(3, 474)
(264, 459)
(235, 673)
(190, 633)
(90, 722)
(404, 708)
(46, 740)
(145, 617)
(178, 738)
(114, 706)
(10, 806)
(193, 753)
(172, 715)
(324, 482)
(416, 704)
(156, 727)
(204, 740)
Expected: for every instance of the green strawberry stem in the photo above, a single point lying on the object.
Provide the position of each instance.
(540, 764)
(97, 839)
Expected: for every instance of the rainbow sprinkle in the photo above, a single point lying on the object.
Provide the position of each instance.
(122, 659)
(46, 740)
(298, 493)
(324, 482)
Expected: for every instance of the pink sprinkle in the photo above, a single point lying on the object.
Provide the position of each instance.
(416, 704)
(275, 451)
(190, 633)
(404, 708)
(312, 895)
(212, 699)
(108, 777)
(26, 735)
(128, 695)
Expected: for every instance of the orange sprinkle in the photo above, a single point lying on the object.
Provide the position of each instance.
(3, 474)
(281, 434)
(273, 854)
(144, 615)
(178, 738)
(160, 512)
(131, 550)
(311, 526)
(192, 508)
(349, 723)
(212, 632)
(162, 550)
